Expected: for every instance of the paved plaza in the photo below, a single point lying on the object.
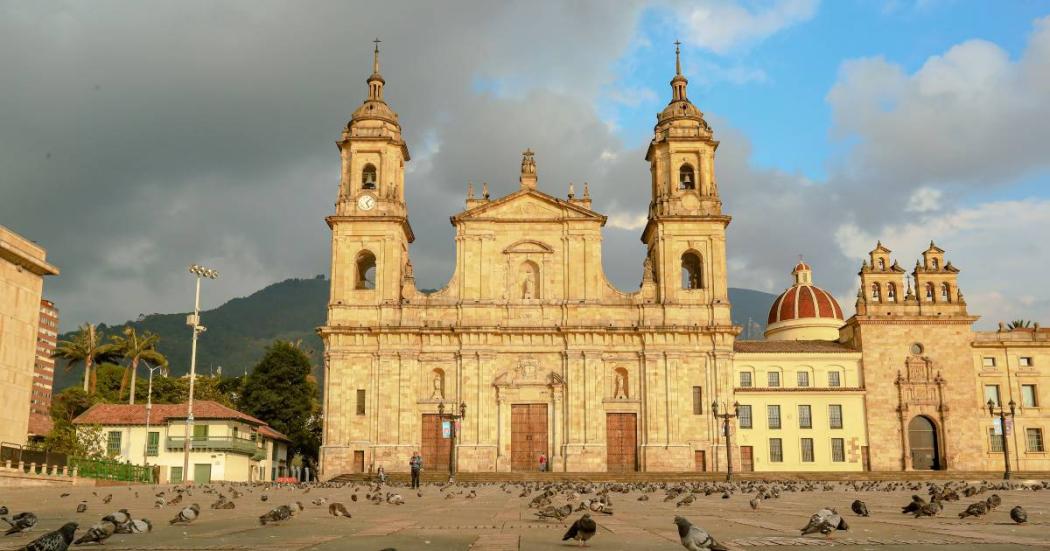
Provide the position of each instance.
(499, 519)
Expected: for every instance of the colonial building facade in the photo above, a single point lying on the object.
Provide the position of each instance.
(540, 355)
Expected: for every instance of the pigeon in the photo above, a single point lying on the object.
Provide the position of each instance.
(1018, 515)
(695, 538)
(141, 526)
(20, 522)
(930, 509)
(754, 503)
(98, 533)
(825, 521)
(264, 498)
(224, 505)
(916, 503)
(121, 520)
(187, 514)
(994, 501)
(277, 514)
(581, 530)
(556, 513)
(107, 499)
(860, 508)
(58, 540)
(82, 507)
(338, 510)
(3, 510)
(353, 497)
(977, 509)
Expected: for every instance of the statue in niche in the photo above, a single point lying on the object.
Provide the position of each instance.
(620, 392)
(439, 387)
(647, 269)
(410, 272)
(527, 287)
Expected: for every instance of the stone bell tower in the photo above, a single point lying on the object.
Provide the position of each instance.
(685, 234)
(370, 229)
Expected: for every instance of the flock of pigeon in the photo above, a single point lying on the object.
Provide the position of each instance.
(551, 500)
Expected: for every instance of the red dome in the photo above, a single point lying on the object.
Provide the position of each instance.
(804, 301)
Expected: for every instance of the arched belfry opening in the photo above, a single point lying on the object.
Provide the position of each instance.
(365, 271)
(368, 177)
(686, 177)
(692, 271)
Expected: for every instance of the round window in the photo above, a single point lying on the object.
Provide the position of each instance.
(916, 349)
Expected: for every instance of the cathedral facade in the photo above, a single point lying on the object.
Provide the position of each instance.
(529, 351)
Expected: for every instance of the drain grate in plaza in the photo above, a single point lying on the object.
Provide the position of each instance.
(495, 542)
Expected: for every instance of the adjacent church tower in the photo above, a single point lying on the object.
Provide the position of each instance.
(370, 229)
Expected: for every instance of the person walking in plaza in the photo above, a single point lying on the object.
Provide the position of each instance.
(416, 465)
(543, 463)
(382, 474)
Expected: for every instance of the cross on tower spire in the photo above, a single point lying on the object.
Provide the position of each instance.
(375, 81)
(677, 59)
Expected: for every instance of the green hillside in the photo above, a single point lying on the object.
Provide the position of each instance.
(239, 330)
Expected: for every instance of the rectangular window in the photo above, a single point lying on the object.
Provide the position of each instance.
(1029, 397)
(1035, 440)
(113, 443)
(988, 361)
(745, 379)
(803, 379)
(773, 413)
(200, 432)
(995, 441)
(991, 392)
(805, 417)
(834, 380)
(776, 450)
(175, 475)
(1025, 361)
(838, 450)
(774, 379)
(744, 415)
(152, 443)
(835, 416)
(360, 401)
(698, 400)
(807, 450)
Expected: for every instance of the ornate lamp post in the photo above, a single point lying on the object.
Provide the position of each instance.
(725, 417)
(1003, 414)
(149, 409)
(452, 417)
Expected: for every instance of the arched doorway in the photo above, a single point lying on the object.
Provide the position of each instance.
(925, 449)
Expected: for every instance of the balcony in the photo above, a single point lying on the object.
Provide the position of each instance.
(215, 443)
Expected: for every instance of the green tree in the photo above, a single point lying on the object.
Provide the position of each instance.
(136, 348)
(281, 391)
(88, 346)
(64, 436)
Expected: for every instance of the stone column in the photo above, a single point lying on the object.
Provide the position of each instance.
(502, 432)
(557, 460)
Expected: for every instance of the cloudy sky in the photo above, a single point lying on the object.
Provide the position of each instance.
(139, 137)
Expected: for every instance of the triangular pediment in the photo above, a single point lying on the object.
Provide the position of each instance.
(528, 205)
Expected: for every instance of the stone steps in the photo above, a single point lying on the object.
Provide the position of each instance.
(429, 476)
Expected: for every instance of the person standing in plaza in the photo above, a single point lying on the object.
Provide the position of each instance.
(543, 463)
(416, 465)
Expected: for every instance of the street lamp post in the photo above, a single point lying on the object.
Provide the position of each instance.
(1002, 415)
(149, 410)
(725, 417)
(452, 417)
(194, 321)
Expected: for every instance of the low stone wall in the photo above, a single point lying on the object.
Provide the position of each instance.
(21, 474)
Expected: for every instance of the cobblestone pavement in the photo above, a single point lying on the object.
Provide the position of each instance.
(498, 520)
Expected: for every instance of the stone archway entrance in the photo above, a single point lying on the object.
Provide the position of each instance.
(924, 445)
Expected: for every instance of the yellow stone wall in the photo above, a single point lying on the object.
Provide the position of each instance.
(22, 267)
(818, 395)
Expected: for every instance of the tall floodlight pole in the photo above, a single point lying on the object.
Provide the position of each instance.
(194, 321)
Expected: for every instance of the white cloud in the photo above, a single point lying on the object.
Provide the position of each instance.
(723, 26)
(924, 199)
(627, 221)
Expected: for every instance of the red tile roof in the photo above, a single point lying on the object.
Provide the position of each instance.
(126, 414)
(269, 432)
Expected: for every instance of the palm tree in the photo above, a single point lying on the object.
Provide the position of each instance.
(135, 347)
(1019, 324)
(86, 346)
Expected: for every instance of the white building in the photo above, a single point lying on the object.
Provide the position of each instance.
(227, 444)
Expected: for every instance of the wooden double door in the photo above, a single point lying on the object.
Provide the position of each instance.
(621, 438)
(436, 449)
(528, 436)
